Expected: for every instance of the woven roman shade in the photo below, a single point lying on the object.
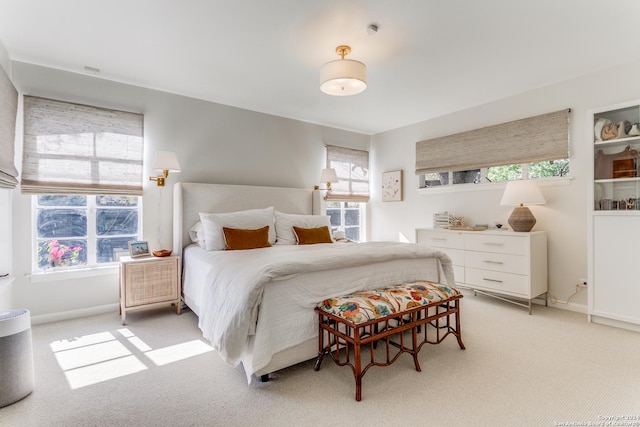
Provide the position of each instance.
(80, 149)
(530, 140)
(352, 168)
(8, 112)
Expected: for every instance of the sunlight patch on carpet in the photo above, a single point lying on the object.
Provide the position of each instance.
(105, 371)
(104, 356)
(178, 352)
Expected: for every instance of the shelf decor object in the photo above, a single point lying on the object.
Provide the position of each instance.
(518, 193)
(441, 220)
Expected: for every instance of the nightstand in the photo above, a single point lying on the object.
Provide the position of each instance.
(149, 282)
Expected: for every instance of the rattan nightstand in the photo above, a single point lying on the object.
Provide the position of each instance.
(149, 282)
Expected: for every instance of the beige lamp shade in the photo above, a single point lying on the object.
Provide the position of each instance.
(518, 193)
(166, 161)
(343, 77)
(328, 175)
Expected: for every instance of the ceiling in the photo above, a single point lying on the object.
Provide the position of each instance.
(429, 57)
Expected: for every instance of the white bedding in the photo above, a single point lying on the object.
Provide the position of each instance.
(228, 289)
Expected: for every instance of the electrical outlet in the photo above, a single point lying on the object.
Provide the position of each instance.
(582, 283)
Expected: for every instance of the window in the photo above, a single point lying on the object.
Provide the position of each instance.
(346, 202)
(348, 217)
(547, 169)
(84, 230)
(75, 158)
(79, 149)
(352, 169)
(535, 147)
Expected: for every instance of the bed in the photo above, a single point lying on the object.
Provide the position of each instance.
(256, 306)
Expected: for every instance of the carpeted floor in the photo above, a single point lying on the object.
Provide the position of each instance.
(548, 369)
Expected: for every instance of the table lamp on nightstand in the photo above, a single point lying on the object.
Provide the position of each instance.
(518, 193)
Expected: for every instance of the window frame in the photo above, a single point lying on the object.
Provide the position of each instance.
(91, 237)
(555, 181)
(362, 206)
(524, 168)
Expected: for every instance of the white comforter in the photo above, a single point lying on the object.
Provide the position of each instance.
(230, 301)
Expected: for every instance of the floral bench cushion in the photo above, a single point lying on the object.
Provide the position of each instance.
(364, 306)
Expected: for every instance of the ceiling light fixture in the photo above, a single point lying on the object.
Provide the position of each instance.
(343, 77)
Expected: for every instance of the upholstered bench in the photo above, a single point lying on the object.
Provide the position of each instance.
(364, 318)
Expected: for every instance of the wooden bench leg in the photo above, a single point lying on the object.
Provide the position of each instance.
(414, 342)
(458, 332)
(358, 369)
(316, 367)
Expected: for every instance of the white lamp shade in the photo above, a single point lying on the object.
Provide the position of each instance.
(166, 160)
(328, 175)
(343, 77)
(524, 192)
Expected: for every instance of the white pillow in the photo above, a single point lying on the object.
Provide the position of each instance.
(252, 219)
(286, 222)
(196, 233)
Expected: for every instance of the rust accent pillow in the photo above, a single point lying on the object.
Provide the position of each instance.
(311, 236)
(237, 238)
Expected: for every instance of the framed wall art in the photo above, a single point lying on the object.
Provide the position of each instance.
(392, 186)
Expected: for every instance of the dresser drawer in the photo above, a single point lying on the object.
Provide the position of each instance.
(515, 284)
(458, 273)
(441, 239)
(506, 263)
(456, 255)
(496, 243)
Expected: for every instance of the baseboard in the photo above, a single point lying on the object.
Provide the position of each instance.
(569, 306)
(74, 314)
(615, 323)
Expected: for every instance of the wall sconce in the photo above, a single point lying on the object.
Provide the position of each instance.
(165, 161)
(517, 193)
(328, 175)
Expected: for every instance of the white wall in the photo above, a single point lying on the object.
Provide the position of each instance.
(564, 216)
(214, 143)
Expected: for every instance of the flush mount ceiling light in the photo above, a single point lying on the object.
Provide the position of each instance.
(343, 77)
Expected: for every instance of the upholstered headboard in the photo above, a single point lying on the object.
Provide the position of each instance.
(189, 199)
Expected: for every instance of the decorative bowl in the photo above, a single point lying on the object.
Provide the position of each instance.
(162, 252)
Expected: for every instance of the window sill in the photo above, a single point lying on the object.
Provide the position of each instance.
(6, 281)
(55, 276)
(459, 188)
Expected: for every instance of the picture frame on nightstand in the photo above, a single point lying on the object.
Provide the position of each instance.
(138, 249)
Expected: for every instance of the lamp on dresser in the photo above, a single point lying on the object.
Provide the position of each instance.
(520, 193)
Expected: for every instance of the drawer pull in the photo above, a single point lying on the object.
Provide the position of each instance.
(493, 244)
(492, 280)
(440, 239)
(493, 262)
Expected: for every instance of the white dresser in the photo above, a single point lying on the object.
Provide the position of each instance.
(505, 264)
